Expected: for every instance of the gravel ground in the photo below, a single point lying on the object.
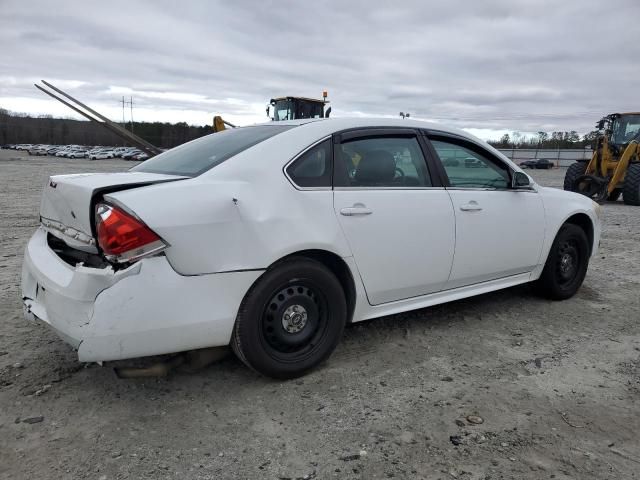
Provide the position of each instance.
(557, 384)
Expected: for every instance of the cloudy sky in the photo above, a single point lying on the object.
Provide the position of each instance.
(488, 66)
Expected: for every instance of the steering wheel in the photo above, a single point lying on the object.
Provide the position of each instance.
(399, 173)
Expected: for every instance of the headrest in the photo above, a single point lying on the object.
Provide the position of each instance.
(375, 168)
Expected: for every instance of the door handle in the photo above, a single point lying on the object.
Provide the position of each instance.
(355, 210)
(472, 206)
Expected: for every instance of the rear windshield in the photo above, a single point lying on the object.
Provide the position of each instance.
(196, 157)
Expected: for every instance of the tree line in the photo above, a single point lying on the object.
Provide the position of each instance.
(552, 140)
(18, 128)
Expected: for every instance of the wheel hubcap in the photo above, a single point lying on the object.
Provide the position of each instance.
(294, 318)
(566, 263)
(568, 260)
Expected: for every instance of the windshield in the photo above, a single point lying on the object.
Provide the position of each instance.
(282, 110)
(196, 157)
(286, 109)
(625, 128)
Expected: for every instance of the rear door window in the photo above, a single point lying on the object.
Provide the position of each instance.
(196, 157)
(381, 161)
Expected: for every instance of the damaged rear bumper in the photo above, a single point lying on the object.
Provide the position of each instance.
(145, 309)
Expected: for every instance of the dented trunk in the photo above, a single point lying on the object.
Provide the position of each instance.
(66, 209)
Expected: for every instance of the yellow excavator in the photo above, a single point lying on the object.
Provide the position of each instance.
(287, 108)
(614, 168)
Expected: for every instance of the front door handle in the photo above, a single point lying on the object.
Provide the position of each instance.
(357, 209)
(472, 206)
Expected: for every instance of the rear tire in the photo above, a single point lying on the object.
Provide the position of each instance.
(566, 264)
(631, 189)
(291, 319)
(574, 171)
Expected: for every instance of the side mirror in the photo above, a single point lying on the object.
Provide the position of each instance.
(520, 181)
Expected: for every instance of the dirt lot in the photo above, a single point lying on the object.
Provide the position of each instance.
(556, 383)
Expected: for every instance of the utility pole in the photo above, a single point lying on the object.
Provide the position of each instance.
(130, 103)
(122, 111)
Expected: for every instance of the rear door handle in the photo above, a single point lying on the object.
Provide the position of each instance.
(472, 206)
(355, 210)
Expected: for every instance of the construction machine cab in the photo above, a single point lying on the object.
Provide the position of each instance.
(623, 127)
(294, 108)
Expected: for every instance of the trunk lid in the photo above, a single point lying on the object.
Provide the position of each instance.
(68, 200)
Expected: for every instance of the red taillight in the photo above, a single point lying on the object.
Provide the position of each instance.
(122, 237)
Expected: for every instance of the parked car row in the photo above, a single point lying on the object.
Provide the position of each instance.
(81, 151)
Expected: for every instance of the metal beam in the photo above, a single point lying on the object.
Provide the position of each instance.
(84, 114)
(113, 127)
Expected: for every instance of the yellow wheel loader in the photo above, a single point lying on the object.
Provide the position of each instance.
(614, 168)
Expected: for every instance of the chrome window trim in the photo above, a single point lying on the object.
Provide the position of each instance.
(481, 189)
(387, 188)
(296, 157)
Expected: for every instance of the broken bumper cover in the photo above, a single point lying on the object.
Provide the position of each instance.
(145, 309)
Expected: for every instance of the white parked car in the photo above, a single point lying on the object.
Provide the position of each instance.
(271, 238)
(101, 154)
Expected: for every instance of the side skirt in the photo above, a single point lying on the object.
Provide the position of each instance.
(366, 312)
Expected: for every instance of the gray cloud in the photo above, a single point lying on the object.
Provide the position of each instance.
(496, 64)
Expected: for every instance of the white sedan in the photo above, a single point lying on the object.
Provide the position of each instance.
(272, 238)
(101, 155)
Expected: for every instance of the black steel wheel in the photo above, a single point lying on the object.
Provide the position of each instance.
(567, 261)
(566, 264)
(291, 319)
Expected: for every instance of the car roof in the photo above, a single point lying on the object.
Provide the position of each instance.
(344, 123)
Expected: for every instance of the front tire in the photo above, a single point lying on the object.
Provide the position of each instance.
(566, 265)
(291, 319)
(574, 171)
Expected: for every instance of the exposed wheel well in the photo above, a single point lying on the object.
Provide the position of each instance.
(339, 268)
(584, 222)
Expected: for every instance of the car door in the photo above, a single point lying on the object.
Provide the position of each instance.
(499, 230)
(394, 212)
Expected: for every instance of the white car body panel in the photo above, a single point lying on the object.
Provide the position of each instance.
(226, 226)
(407, 233)
(146, 309)
(503, 237)
(250, 233)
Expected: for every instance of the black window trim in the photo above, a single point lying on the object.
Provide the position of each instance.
(377, 132)
(300, 154)
(461, 141)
